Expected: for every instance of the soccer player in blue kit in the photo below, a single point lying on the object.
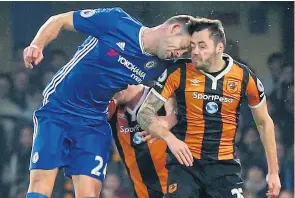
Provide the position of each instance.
(71, 129)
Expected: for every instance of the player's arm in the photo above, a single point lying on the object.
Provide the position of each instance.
(48, 32)
(112, 109)
(52, 27)
(163, 90)
(91, 22)
(265, 126)
(169, 120)
(149, 121)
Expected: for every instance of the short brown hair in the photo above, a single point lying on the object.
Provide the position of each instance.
(214, 26)
(183, 20)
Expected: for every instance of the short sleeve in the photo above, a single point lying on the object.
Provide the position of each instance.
(98, 21)
(111, 109)
(167, 83)
(255, 91)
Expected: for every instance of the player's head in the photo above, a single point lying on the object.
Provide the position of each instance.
(175, 39)
(207, 41)
(127, 95)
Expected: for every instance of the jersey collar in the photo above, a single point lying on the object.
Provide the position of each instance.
(141, 42)
(134, 111)
(223, 73)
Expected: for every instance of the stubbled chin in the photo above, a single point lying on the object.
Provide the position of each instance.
(198, 66)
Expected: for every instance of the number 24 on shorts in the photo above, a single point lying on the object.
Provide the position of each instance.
(96, 171)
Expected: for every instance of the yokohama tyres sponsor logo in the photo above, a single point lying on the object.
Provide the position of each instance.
(137, 73)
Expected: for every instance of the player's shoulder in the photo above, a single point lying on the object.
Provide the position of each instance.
(245, 68)
(250, 74)
(124, 15)
(119, 10)
(173, 68)
(182, 61)
(178, 64)
(112, 11)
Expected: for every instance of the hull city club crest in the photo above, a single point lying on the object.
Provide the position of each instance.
(232, 86)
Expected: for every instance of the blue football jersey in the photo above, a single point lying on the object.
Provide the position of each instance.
(108, 60)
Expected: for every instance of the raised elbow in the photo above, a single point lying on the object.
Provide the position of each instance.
(55, 18)
(64, 20)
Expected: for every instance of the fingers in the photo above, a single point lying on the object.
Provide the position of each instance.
(181, 151)
(152, 140)
(270, 190)
(26, 58)
(188, 156)
(273, 190)
(179, 159)
(143, 133)
(29, 55)
(183, 158)
(185, 155)
(147, 138)
(39, 59)
(191, 158)
(270, 187)
(35, 53)
(32, 54)
(277, 190)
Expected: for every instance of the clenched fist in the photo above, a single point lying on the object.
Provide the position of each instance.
(32, 55)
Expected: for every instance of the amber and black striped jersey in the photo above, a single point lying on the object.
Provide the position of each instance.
(208, 106)
(145, 163)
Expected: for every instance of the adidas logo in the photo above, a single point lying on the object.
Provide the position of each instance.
(121, 45)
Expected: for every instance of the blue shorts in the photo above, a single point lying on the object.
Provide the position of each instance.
(79, 145)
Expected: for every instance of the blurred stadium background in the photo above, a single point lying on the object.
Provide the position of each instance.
(259, 34)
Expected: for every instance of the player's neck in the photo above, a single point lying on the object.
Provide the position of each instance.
(132, 104)
(217, 65)
(150, 40)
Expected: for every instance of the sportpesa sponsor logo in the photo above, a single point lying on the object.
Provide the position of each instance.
(138, 74)
(136, 128)
(200, 96)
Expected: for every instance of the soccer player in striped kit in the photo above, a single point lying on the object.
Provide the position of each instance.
(209, 90)
(145, 161)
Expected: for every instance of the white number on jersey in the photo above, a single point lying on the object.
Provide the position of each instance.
(96, 170)
(238, 192)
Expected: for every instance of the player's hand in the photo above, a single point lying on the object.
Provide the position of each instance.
(274, 185)
(180, 151)
(147, 137)
(32, 55)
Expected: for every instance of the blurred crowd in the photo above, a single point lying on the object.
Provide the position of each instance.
(21, 94)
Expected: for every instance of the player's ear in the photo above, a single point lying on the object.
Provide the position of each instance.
(174, 28)
(220, 47)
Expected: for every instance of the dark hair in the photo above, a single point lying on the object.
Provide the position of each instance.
(183, 20)
(214, 26)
